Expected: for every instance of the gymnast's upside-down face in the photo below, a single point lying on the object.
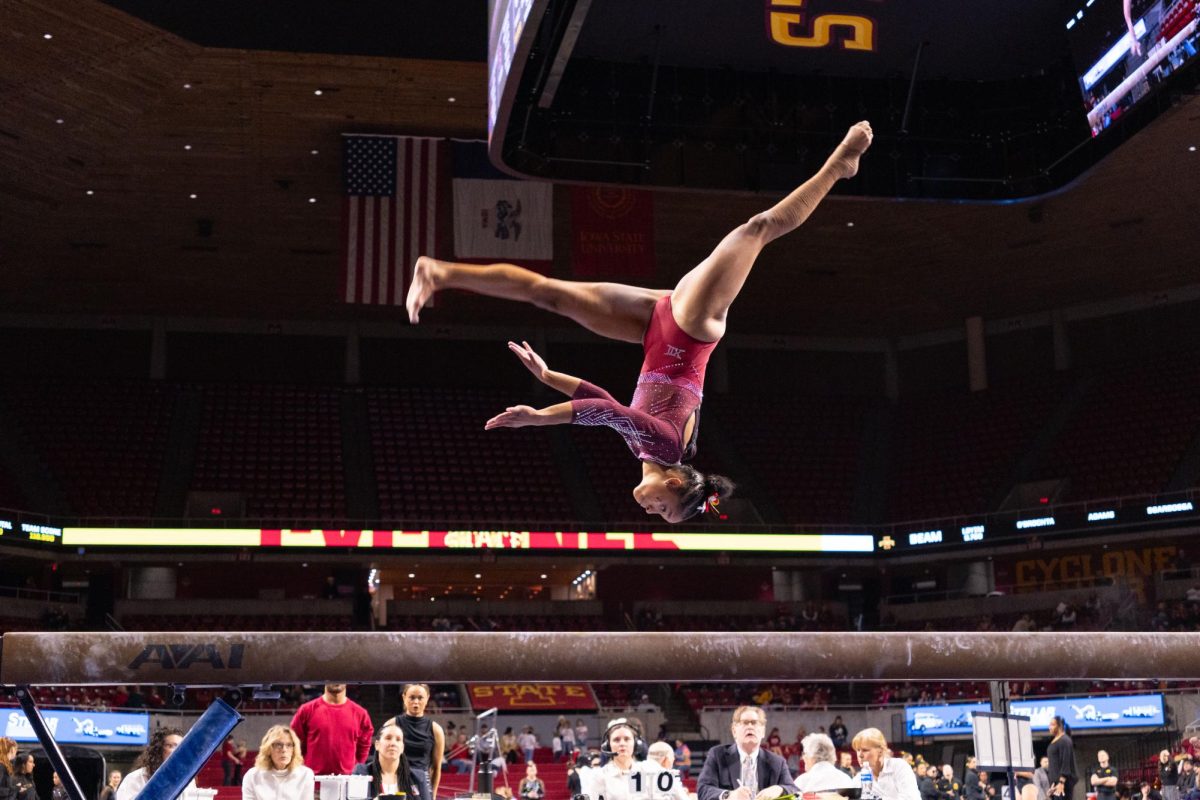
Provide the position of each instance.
(658, 495)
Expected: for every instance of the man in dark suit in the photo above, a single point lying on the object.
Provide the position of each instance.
(743, 770)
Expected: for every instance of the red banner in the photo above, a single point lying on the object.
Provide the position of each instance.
(612, 232)
(532, 696)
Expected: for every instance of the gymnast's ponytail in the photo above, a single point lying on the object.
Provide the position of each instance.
(700, 493)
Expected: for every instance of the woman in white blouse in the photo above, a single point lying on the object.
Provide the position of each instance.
(891, 778)
(279, 772)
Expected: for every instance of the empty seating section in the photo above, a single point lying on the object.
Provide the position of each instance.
(104, 445)
(434, 461)
(237, 622)
(521, 622)
(102, 441)
(1131, 430)
(803, 450)
(279, 445)
(953, 453)
(10, 493)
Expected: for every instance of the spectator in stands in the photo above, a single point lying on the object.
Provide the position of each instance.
(775, 742)
(1062, 760)
(508, 746)
(532, 787)
(424, 739)
(109, 792)
(1148, 792)
(581, 734)
(135, 699)
(24, 788)
(556, 747)
(742, 770)
(567, 732)
(8, 753)
(162, 743)
(1187, 777)
(458, 755)
(683, 758)
(1104, 778)
(1024, 624)
(846, 764)
(528, 743)
(240, 753)
(279, 772)
(229, 761)
(1168, 776)
(389, 768)
(838, 732)
(820, 772)
(891, 778)
(335, 732)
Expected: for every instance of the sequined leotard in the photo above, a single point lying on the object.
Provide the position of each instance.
(669, 389)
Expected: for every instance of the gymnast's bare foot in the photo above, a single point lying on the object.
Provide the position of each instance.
(845, 157)
(424, 284)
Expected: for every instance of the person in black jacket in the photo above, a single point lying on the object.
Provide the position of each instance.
(1062, 761)
(1168, 775)
(972, 788)
(24, 788)
(927, 782)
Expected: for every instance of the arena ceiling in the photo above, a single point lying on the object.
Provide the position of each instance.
(112, 122)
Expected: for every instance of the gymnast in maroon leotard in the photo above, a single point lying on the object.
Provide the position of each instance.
(678, 330)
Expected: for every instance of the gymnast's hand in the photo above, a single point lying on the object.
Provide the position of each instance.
(532, 361)
(514, 417)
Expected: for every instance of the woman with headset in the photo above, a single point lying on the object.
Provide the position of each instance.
(628, 775)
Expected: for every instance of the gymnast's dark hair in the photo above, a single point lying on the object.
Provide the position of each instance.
(698, 487)
(153, 756)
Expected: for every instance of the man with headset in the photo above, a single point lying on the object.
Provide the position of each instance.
(743, 770)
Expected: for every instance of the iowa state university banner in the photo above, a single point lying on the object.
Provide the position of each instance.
(612, 232)
(532, 696)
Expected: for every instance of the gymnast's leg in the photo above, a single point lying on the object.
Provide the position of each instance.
(702, 297)
(613, 310)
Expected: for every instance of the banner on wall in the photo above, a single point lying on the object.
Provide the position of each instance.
(1054, 569)
(612, 232)
(532, 696)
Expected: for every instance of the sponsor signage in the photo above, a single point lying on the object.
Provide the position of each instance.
(82, 727)
(1080, 713)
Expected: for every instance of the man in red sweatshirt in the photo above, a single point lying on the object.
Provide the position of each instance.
(335, 732)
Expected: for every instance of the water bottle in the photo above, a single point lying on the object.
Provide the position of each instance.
(868, 782)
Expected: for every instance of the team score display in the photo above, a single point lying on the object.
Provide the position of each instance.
(659, 784)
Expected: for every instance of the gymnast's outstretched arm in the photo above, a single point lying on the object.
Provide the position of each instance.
(560, 381)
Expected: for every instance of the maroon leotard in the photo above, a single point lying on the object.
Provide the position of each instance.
(669, 388)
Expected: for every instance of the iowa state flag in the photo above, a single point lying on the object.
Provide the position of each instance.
(612, 232)
(497, 218)
(389, 213)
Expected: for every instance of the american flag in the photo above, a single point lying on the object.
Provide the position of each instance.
(389, 213)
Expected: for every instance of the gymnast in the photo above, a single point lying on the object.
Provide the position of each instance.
(678, 330)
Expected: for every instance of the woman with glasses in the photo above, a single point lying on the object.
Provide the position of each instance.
(279, 772)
